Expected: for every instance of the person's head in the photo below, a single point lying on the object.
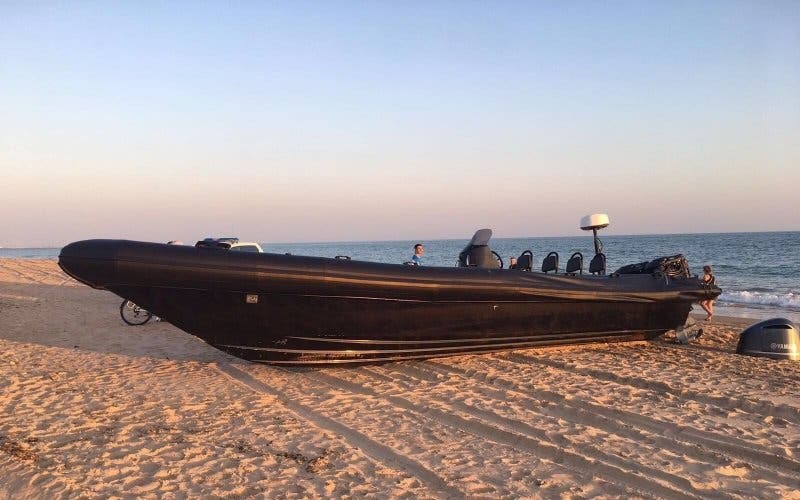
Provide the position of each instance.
(512, 260)
(418, 249)
(707, 269)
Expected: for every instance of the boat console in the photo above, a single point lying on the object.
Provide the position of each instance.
(478, 254)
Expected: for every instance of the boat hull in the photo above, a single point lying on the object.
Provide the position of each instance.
(307, 310)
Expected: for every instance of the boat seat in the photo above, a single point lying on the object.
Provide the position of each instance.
(575, 264)
(598, 264)
(550, 263)
(525, 261)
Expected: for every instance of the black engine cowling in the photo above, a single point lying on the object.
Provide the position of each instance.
(776, 338)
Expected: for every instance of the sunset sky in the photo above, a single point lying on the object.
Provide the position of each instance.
(327, 121)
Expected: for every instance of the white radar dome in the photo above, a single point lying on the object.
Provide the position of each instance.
(594, 221)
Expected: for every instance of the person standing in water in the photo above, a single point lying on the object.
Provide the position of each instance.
(708, 279)
(417, 257)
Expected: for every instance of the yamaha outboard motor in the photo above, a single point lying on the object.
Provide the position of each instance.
(776, 338)
(477, 252)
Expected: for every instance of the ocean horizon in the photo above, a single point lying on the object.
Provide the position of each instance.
(601, 234)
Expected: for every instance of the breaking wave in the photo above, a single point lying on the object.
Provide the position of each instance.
(785, 300)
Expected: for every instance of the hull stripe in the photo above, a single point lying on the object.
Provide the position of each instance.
(419, 350)
(467, 340)
(403, 357)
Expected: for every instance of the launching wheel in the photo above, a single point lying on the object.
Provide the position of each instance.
(133, 314)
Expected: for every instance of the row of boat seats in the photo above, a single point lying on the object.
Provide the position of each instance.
(478, 254)
(574, 265)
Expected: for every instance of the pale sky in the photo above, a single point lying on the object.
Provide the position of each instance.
(329, 121)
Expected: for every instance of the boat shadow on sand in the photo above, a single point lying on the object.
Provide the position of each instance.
(83, 319)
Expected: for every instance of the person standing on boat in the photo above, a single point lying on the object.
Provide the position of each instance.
(417, 257)
(708, 304)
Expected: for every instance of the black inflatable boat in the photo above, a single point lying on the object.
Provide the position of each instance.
(307, 310)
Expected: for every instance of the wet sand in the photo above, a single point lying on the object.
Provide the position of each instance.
(91, 407)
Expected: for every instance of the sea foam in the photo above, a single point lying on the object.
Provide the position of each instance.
(787, 300)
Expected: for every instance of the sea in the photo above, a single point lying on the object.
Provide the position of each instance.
(759, 273)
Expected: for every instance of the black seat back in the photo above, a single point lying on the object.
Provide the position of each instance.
(550, 263)
(575, 263)
(598, 264)
(525, 261)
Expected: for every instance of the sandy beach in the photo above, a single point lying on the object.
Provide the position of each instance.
(91, 407)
